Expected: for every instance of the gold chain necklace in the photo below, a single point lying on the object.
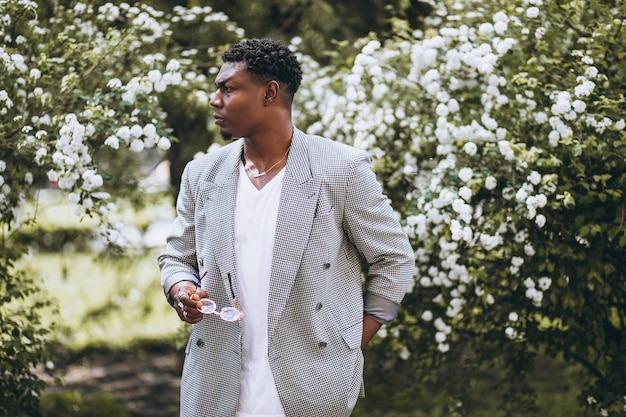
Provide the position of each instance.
(264, 173)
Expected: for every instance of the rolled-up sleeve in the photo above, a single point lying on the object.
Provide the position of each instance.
(379, 308)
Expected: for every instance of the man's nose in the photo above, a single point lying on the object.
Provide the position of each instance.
(215, 100)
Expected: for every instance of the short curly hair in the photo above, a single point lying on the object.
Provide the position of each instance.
(267, 60)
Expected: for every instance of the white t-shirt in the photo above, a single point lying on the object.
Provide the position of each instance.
(256, 212)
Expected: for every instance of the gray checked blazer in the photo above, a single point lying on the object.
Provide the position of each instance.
(332, 215)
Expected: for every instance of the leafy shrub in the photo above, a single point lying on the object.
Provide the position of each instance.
(499, 133)
(72, 404)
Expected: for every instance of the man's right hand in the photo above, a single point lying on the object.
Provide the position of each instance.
(186, 296)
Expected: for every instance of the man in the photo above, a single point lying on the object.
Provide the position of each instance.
(273, 228)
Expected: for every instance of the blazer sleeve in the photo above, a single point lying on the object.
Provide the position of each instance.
(178, 261)
(375, 230)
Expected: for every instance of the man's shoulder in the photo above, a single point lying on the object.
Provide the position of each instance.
(202, 165)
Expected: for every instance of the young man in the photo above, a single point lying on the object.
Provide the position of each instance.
(273, 228)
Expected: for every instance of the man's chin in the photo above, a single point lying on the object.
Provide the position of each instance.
(226, 135)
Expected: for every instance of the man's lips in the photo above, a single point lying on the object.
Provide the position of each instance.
(217, 119)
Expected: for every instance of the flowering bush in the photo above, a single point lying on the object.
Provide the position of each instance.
(499, 133)
(78, 84)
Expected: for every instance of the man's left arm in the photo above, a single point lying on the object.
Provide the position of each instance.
(374, 229)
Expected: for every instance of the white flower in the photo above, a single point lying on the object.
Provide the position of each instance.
(440, 337)
(587, 60)
(540, 32)
(513, 316)
(53, 176)
(160, 86)
(544, 283)
(486, 28)
(506, 150)
(465, 193)
(136, 131)
(517, 261)
(510, 332)
(154, 76)
(35, 73)
(532, 12)
(173, 65)
(427, 315)
(584, 89)
(534, 178)
(535, 295)
(491, 182)
(591, 72)
(443, 347)
(553, 138)
(500, 17)
(371, 47)
(540, 117)
(579, 106)
(88, 203)
(505, 45)
(465, 174)
(500, 27)
(136, 145)
(470, 148)
(123, 133)
(113, 142)
(540, 220)
(541, 200)
(164, 143)
(453, 106)
(442, 110)
(620, 124)
(91, 180)
(114, 83)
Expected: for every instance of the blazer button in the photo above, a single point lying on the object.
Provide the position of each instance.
(200, 343)
(322, 344)
(318, 306)
(326, 265)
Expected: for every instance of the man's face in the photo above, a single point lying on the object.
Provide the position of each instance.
(237, 101)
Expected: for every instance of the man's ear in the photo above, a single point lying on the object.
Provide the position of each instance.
(271, 92)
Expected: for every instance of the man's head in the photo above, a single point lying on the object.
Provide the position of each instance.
(268, 60)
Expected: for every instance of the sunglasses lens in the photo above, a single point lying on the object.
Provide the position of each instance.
(230, 314)
(208, 306)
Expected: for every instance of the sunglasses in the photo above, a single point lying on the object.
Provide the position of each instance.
(208, 306)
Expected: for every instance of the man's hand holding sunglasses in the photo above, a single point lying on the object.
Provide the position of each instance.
(186, 296)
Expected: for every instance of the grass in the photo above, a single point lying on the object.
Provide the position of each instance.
(112, 302)
(104, 301)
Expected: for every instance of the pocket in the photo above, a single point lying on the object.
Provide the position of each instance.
(324, 208)
(353, 335)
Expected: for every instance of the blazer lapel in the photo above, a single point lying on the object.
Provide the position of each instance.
(219, 191)
(295, 216)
